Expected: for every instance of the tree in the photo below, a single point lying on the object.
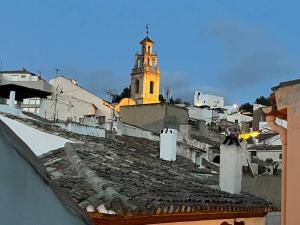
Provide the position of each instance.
(177, 101)
(161, 98)
(246, 108)
(124, 94)
(187, 103)
(263, 101)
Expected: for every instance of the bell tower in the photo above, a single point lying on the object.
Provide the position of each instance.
(145, 75)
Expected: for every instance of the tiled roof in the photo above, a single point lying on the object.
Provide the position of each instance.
(128, 176)
(23, 71)
(286, 83)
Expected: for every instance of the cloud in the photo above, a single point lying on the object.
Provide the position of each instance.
(98, 81)
(178, 84)
(181, 86)
(251, 56)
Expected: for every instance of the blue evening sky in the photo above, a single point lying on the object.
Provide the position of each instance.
(239, 49)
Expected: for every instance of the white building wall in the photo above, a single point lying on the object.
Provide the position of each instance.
(18, 77)
(67, 107)
(272, 141)
(25, 198)
(83, 129)
(69, 88)
(203, 113)
(264, 126)
(138, 132)
(269, 154)
(239, 118)
(212, 101)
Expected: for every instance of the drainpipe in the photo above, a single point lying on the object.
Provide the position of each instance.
(283, 136)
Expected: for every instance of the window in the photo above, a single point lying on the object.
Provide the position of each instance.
(148, 49)
(32, 101)
(137, 86)
(148, 62)
(151, 87)
(253, 153)
(280, 155)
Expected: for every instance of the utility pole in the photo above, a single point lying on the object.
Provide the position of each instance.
(112, 94)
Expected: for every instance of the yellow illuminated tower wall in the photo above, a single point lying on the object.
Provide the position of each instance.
(145, 76)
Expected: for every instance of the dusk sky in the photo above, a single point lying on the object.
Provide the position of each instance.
(239, 49)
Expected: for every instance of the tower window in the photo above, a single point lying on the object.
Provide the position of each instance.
(151, 87)
(148, 62)
(149, 49)
(137, 86)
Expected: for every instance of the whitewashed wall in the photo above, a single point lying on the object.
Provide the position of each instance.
(78, 92)
(25, 198)
(212, 101)
(11, 110)
(83, 129)
(39, 142)
(138, 132)
(239, 117)
(67, 107)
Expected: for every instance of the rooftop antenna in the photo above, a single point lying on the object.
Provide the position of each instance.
(54, 97)
(40, 73)
(112, 94)
(167, 94)
(56, 72)
(147, 29)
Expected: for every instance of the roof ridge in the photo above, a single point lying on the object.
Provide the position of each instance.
(100, 185)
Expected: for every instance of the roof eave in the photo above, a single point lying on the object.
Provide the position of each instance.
(139, 219)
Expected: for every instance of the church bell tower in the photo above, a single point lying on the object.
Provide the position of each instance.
(145, 75)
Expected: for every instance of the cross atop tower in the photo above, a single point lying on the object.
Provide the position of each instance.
(147, 29)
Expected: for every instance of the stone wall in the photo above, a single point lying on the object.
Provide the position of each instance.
(269, 187)
(154, 117)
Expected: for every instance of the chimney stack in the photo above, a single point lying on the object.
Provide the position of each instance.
(231, 168)
(168, 144)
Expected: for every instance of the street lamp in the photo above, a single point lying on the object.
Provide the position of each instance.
(235, 107)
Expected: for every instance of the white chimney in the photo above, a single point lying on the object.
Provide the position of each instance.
(168, 144)
(231, 168)
(12, 97)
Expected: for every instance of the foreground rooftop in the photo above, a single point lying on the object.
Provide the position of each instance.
(127, 178)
